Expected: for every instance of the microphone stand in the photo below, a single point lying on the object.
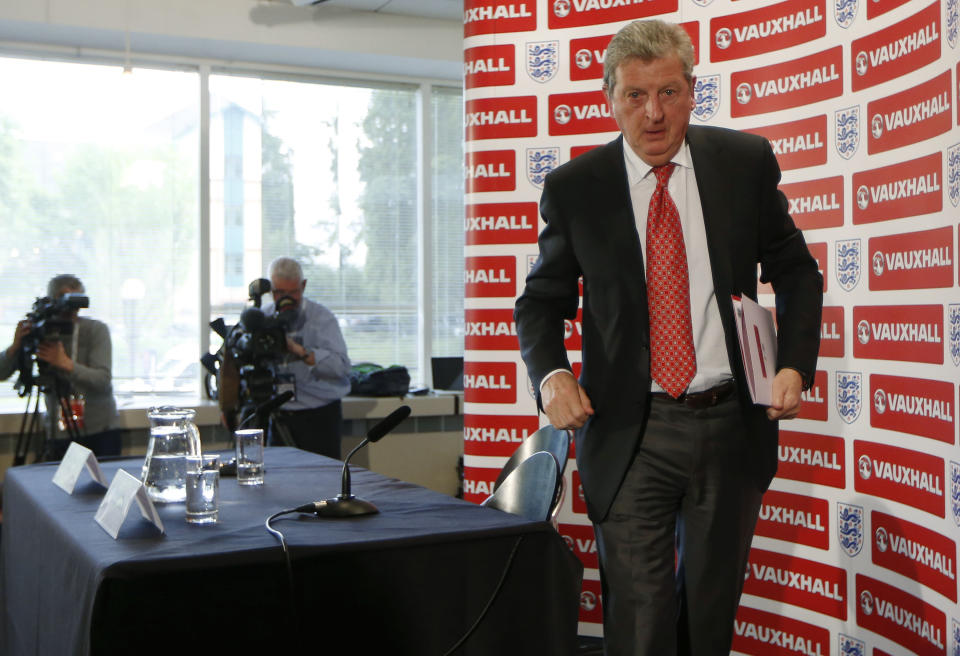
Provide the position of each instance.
(346, 504)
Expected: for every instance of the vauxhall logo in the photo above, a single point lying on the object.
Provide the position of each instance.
(911, 404)
(562, 114)
(916, 113)
(897, 189)
(796, 144)
(915, 551)
(491, 435)
(787, 84)
(585, 57)
(797, 580)
(496, 13)
(900, 474)
(499, 117)
(901, 617)
(772, 27)
(917, 258)
(817, 203)
(500, 222)
(561, 8)
(894, 50)
(782, 640)
(489, 65)
(901, 331)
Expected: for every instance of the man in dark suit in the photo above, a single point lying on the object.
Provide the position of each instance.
(664, 224)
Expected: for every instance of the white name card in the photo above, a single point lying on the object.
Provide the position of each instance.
(116, 504)
(75, 460)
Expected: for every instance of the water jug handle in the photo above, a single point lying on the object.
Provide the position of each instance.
(194, 439)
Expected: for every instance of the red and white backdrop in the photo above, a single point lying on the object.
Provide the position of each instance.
(856, 547)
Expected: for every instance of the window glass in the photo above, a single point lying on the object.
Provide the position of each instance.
(326, 174)
(99, 178)
(448, 217)
(108, 191)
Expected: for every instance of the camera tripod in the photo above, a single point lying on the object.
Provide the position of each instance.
(48, 383)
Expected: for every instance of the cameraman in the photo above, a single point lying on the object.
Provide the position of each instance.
(315, 367)
(81, 373)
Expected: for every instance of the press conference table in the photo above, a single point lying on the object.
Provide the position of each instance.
(409, 580)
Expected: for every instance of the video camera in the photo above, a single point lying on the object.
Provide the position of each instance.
(50, 319)
(255, 345)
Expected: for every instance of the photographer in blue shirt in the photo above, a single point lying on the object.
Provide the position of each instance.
(315, 368)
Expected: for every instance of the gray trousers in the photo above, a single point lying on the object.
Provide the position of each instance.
(673, 549)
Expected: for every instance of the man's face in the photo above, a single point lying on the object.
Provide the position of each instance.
(291, 287)
(651, 102)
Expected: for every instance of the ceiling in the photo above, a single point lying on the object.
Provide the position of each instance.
(437, 9)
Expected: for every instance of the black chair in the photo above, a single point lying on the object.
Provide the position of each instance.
(530, 489)
(552, 440)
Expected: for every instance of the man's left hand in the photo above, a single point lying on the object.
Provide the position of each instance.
(787, 388)
(54, 354)
(300, 352)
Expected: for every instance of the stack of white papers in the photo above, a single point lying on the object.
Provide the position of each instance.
(758, 344)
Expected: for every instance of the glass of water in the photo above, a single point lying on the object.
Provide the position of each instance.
(203, 488)
(249, 456)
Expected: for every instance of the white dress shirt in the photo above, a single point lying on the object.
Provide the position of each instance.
(708, 339)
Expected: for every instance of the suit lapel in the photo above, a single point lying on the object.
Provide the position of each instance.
(611, 190)
(713, 185)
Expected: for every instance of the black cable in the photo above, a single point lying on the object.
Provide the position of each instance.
(286, 557)
(496, 592)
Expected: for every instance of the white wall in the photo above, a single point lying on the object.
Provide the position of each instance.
(329, 37)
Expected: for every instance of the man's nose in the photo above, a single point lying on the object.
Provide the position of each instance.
(654, 110)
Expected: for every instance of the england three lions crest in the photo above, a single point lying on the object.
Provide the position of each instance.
(952, 24)
(954, 637)
(955, 491)
(848, 646)
(543, 60)
(541, 161)
(849, 386)
(848, 263)
(953, 174)
(845, 11)
(706, 95)
(953, 330)
(846, 124)
(850, 529)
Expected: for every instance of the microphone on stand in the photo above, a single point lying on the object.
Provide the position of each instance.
(267, 406)
(345, 504)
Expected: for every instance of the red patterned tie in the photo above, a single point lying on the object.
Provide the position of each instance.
(673, 361)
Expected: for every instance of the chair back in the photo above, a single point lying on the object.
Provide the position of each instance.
(552, 440)
(529, 490)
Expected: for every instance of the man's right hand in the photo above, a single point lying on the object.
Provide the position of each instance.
(565, 402)
(23, 329)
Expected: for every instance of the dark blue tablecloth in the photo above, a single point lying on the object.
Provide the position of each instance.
(409, 580)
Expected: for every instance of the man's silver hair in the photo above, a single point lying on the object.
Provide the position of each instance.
(647, 40)
(286, 268)
(65, 281)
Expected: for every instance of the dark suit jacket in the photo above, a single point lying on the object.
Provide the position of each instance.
(590, 232)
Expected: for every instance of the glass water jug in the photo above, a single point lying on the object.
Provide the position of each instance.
(173, 437)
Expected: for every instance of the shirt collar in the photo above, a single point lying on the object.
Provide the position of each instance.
(637, 169)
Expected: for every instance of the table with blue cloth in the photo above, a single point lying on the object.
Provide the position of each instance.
(410, 580)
